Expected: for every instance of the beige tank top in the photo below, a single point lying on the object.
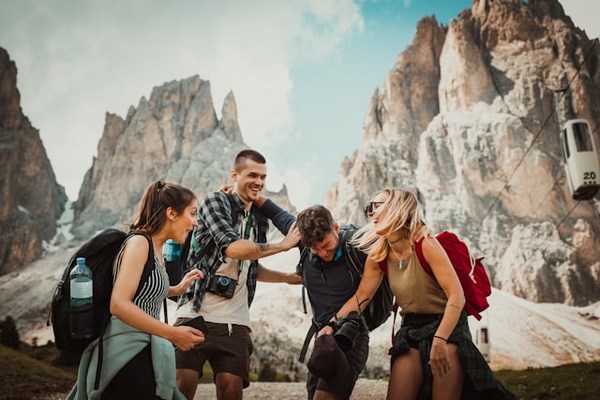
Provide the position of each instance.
(415, 290)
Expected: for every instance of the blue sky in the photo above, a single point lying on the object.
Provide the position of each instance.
(303, 72)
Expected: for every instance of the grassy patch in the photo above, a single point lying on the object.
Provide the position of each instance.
(566, 382)
(24, 377)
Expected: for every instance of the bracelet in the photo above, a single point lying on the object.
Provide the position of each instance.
(441, 338)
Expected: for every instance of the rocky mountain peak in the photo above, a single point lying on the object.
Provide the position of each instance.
(466, 118)
(174, 135)
(229, 119)
(32, 200)
(10, 98)
(409, 99)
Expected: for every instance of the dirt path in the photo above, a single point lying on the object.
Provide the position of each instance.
(366, 389)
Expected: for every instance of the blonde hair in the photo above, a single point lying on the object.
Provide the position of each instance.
(401, 213)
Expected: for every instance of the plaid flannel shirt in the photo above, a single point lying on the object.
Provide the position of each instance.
(214, 233)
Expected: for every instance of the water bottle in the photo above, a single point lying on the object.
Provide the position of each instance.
(81, 315)
(171, 251)
(171, 254)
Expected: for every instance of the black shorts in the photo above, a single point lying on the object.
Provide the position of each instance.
(224, 352)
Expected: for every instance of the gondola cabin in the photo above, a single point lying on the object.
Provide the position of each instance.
(581, 159)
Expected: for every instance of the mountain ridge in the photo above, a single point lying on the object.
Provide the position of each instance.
(464, 119)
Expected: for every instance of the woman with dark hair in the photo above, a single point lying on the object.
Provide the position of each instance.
(138, 354)
(433, 355)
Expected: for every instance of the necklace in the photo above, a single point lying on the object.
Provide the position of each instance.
(400, 260)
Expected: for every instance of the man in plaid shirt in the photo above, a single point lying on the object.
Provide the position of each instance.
(229, 249)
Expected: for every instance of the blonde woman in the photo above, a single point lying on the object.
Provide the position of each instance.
(433, 355)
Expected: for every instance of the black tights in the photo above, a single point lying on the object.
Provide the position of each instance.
(134, 381)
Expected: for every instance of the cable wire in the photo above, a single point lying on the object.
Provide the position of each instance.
(566, 216)
(560, 177)
(563, 92)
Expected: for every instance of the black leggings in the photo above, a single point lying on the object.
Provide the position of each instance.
(134, 381)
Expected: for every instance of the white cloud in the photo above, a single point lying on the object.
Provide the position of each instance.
(300, 188)
(77, 61)
(299, 183)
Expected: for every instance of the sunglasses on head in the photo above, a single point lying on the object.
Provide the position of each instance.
(371, 207)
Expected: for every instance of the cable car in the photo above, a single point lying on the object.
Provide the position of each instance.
(581, 159)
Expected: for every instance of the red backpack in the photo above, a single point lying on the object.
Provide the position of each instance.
(471, 272)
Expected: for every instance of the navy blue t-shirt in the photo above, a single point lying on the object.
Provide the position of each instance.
(329, 284)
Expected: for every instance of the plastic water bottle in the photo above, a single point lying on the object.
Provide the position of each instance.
(171, 251)
(81, 315)
(171, 254)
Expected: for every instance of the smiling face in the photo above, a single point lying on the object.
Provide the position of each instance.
(249, 180)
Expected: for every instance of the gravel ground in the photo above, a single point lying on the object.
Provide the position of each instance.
(365, 389)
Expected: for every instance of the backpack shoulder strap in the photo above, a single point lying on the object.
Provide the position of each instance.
(351, 252)
(304, 253)
(300, 271)
(309, 335)
(421, 257)
(383, 267)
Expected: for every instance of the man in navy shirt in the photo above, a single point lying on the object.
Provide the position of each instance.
(330, 282)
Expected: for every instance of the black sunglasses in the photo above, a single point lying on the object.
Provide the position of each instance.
(371, 206)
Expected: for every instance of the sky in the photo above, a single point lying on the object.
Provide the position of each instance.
(302, 72)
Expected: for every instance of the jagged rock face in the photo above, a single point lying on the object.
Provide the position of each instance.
(409, 90)
(487, 161)
(32, 200)
(396, 117)
(174, 136)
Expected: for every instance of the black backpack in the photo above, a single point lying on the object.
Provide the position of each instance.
(99, 252)
(381, 306)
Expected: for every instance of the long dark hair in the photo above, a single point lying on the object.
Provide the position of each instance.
(159, 196)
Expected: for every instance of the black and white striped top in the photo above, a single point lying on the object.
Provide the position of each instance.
(153, 291)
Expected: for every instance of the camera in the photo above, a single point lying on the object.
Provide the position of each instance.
(221, 285)
(348, 329)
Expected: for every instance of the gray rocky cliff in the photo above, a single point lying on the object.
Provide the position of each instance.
(479, 141)
(32, 200)
(175, 136)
